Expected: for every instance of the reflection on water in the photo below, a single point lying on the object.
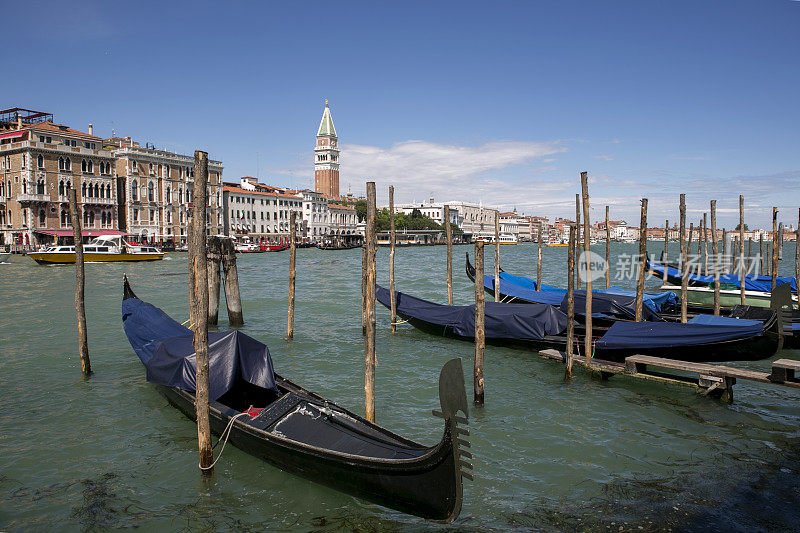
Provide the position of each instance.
(109, 452)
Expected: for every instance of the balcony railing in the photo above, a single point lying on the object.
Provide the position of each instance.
(26, 197)
(99, 201)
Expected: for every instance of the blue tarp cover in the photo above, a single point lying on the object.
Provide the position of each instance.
(751, 283)
(503, 321)
(722, 321)
(166, 349)
(555, 296)
(644, 335)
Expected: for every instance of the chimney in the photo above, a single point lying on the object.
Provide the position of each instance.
(19, 121)
(91, 129)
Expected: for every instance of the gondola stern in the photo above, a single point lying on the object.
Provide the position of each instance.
(453, 398)
(127, 292)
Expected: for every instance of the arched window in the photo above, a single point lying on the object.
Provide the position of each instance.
(102, 219)
(83, 165)
(151, 192)
(134, 191)
(90, 166)
(41, 217)
(64, 219)
(86, 218)
(40, 187)
(91, 218)
(180, 195)
(61, 190)
(40, 161)
(97, 190)
(108, 191)
(2, 189)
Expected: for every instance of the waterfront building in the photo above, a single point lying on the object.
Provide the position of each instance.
(431, 209)
(535, 223)
(314, 215)
(343, 220)
(326, 157)
(39, 162)
(510, 224)
(259, 212)
(475, 219)
(155, 189)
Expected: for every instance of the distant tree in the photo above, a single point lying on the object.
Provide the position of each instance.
(361, 210)
(745, 227)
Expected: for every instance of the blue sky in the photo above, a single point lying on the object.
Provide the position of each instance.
(501, 102)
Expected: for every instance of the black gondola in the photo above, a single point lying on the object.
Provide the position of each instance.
(538, 326)
(300, 432)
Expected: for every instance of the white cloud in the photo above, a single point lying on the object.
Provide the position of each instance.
(604, 157)
(419, 168)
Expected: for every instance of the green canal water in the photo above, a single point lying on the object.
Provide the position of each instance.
(108, 452)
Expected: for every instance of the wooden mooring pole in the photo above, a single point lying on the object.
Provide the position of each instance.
(797, 252)
(725, 249)
(775, 244)
(369, 344)
(292, 273)
(364, 288)
(705, 244)
(684, 263)
(714, 251)
(608, 250)
(761, 269)
(741, 248)
(642, 260)
(199, 307)
(539, 260)
(587, 344)
(577, 239)
(480, 332)
(214, 261)
(448, 231)
(392, 237)
(665, 259)
(570, 304)
(689, 246)
(233, 298)
(497, 256)
(80, 282)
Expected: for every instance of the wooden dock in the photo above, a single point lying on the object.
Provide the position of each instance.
(710, 380)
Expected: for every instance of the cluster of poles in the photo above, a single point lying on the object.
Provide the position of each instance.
(210, 255)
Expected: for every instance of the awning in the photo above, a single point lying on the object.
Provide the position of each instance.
(13, 134)
(84, 233)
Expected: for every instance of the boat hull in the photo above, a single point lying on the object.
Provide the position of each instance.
(428, 486)
(60, 258)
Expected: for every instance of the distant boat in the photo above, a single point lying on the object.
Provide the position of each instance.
(103, 249)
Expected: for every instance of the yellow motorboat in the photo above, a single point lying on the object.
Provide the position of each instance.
(106, 248)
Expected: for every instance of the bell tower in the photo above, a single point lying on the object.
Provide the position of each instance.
(326, 157)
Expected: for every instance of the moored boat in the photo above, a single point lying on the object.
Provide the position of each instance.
(103, 249)
(276, 420)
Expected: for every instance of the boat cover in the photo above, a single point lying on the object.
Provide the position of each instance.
(751, 283)
(722, 321)
(620, 301)
(526, 282)
(648, 335)
(167, 351)
(503, 321)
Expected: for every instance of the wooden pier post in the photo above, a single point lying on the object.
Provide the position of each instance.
(750, 249)
(570, 304)
(587, 338)
(608, 250)
(797, 253)
(364, 288)
(741, 248)
(577, 239)
(705, 244)
(691, 231)
(780, 242)
(665, 259)
(369, 344)
(214, 262)
(233, 298)
(761, 254)
(714, 251)
(497, 256)
(480, 332)
(539, 260)
(724, 247)
(80, 282)
(448, 231)
(198, 291)
(642, 260)
(684, 265)
(392, 297)
(774, 269)
(292, 273)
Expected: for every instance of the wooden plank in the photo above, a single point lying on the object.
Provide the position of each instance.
(787, 363)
